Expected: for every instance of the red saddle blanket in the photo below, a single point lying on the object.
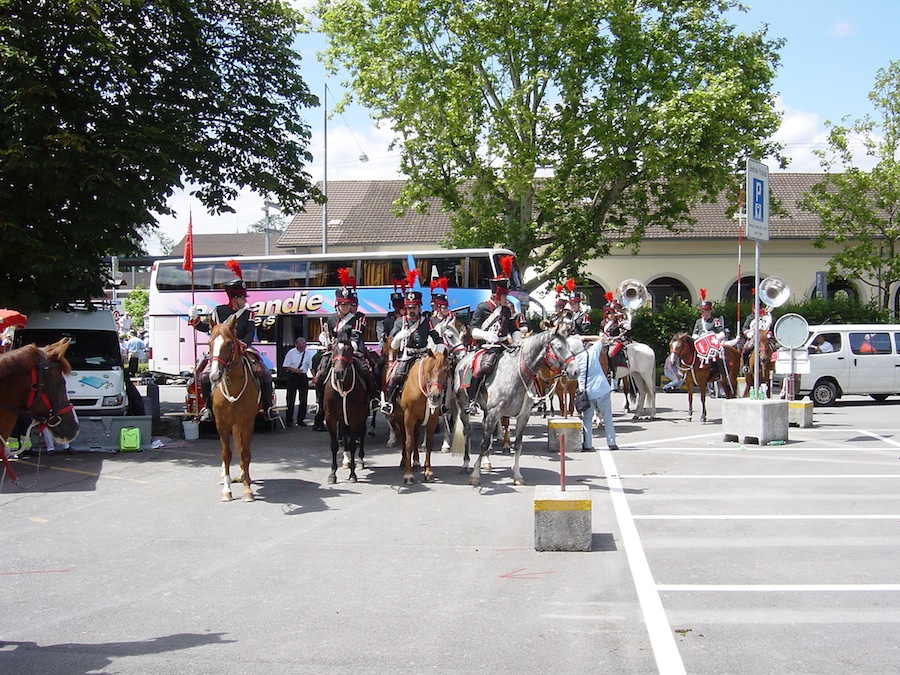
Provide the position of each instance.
(709, 348)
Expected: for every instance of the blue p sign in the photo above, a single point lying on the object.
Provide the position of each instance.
(759, 200)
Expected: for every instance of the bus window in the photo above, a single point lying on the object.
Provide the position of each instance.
(450, 268)
(382, 272)
(326, 272)
(480, 272)
(284, 274)
(173, 278)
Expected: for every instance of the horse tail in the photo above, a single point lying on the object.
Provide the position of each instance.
(458, 446)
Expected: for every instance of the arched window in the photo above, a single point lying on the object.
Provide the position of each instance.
(594, 292)
(667, 287)
(839, 288)
(747, 283)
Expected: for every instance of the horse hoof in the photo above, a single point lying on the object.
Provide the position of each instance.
(226, 497)
(332, 480)
(352, 479)
(408, 480)
(429, 477)
(474, 480)
(486, 466)
(391, 444)
(416, 466)
(248, 497)
(519, 481)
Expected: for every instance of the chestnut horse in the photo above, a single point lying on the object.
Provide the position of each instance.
(346, 407)
(420, 405)
(235, 402)
(696, 371)
(32, 383)
(766, 367)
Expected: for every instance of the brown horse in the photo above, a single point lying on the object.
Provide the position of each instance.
(766, 367)
(32, 383)
(235, 402)
(346, 408)
(696, 371)
(420, 405)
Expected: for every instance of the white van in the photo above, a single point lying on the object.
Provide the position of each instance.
(96, 385)
(846, 359)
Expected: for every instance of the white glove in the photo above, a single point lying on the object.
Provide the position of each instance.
(194, 312)
(491, 337)
(403, 333)
(515, 337)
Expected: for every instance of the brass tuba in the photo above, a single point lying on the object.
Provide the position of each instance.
(632, 294)
(773, 291)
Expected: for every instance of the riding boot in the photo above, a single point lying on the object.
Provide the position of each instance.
(387, 407)
(319, 420)
(266, 394)
(206, 391)
(473, 390)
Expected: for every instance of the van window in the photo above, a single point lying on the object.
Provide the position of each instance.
(870, 343)
(89, 349)
(833, 339)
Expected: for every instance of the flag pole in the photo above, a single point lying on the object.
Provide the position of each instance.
(188, 264)
(737, 331)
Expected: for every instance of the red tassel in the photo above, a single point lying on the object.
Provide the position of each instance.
(570, 285)
(235, 267)
(411, 277)
(609, 296)
(344, 275)
(703, 294)
(506, 264)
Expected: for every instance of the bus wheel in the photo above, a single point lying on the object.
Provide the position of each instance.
(824, 393)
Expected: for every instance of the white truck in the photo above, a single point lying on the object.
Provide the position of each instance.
(96, 385)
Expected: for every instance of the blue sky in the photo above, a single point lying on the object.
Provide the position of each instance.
(834, 49)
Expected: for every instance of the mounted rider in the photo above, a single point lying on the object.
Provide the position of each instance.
(581, 317)
(245, 327)
(616, 324)
(412, 336)
(748, 333)
(440, 305)
(494, 323)
(346, 323)
(709, 336)
(397, 298)
(562, 315)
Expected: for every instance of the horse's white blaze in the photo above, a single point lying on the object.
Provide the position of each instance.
(215, 370)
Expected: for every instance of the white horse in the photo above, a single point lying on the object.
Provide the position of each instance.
(506, 393)
(642, 369)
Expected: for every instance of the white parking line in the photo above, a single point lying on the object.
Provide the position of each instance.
(804, 516)
(662, 639)
(779, 588)
(880, 438)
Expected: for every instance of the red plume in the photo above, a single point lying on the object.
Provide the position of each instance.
(235, 267)
(440, 282)
(506, 264)
(411, 277)
(344, 275)
(570, 285)
(703, 294)
(559, 289)
(397, 285)
(609, 296)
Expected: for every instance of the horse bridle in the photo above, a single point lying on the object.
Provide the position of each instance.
(548, 353)
(236, 351)
(39, 393)
(426, 386)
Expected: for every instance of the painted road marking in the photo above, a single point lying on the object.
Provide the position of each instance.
(880, 438)
(780, 588)
(662, 639)
(88, 473)
(772, 517)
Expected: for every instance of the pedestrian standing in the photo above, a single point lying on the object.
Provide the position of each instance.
(135, 349)
(592, 380)
(296, 364)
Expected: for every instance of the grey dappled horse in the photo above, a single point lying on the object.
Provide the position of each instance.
(506, 393)
(642, 369)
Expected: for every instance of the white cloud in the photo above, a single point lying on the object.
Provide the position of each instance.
(842, 29)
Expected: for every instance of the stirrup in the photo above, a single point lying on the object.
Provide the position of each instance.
(473, 408)
(313, 408)
(387, 408)
(205, 414)
(745, 369)
(271, 414)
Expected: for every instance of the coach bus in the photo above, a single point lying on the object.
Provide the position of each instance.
(291, 294)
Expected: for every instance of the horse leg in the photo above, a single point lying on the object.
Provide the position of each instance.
(445, 442)
(243, 436)
(350, 443)
(372, 425)
(430, 428)
(409, 447)
(521, 422)
(333, 432)
(689, 381)
(506, 445)
(703, 403)
(361, 452)
(225, 439)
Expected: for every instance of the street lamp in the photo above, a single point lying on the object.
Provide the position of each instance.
(266, 206)
(363, 157)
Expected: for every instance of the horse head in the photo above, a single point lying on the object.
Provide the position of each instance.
(342, 357)
(453, 339)
(559, 356)
(682, 346)
(224, 349)
(49, 387)
(435, 369)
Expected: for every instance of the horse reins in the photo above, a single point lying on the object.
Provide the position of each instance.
(227, 364)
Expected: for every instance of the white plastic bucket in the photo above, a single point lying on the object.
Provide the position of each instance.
(191, 430)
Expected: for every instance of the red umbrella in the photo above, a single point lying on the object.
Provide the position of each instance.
(10, 317)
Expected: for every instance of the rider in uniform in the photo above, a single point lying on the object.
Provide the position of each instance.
(616, 323)
(560, 311)
(707, 322)
(345, 322)
(387, 323)
(751, 325)
(410, 338)
(245, 328)
(580, 315)
(494, 322)
(440, 306)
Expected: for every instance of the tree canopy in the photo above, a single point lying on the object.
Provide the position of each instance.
(108, 106)
(560, 129)
(860, 210)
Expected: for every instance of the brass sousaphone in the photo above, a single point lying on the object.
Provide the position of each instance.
(773, 291)
(632, 294)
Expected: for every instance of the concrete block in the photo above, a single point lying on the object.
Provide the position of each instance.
(562, 518)
(570, 428)
(748, 421)
(800, 413)
(102, 433)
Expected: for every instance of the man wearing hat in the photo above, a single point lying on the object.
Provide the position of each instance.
(440, 306)
(245, 329)
(410, 338)
(707, 322)
(345, 322)
(751, 325)
(581, 318)
(386, 327)
(493, 323)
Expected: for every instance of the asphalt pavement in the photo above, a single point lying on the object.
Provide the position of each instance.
(708, 556)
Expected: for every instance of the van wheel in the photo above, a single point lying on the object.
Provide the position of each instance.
(881, 398)
(824, 393)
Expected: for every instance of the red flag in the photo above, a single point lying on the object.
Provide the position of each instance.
(188, 263)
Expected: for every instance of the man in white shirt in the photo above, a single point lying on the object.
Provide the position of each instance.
(296, 364)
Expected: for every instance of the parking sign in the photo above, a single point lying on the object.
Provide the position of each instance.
(757, 200)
